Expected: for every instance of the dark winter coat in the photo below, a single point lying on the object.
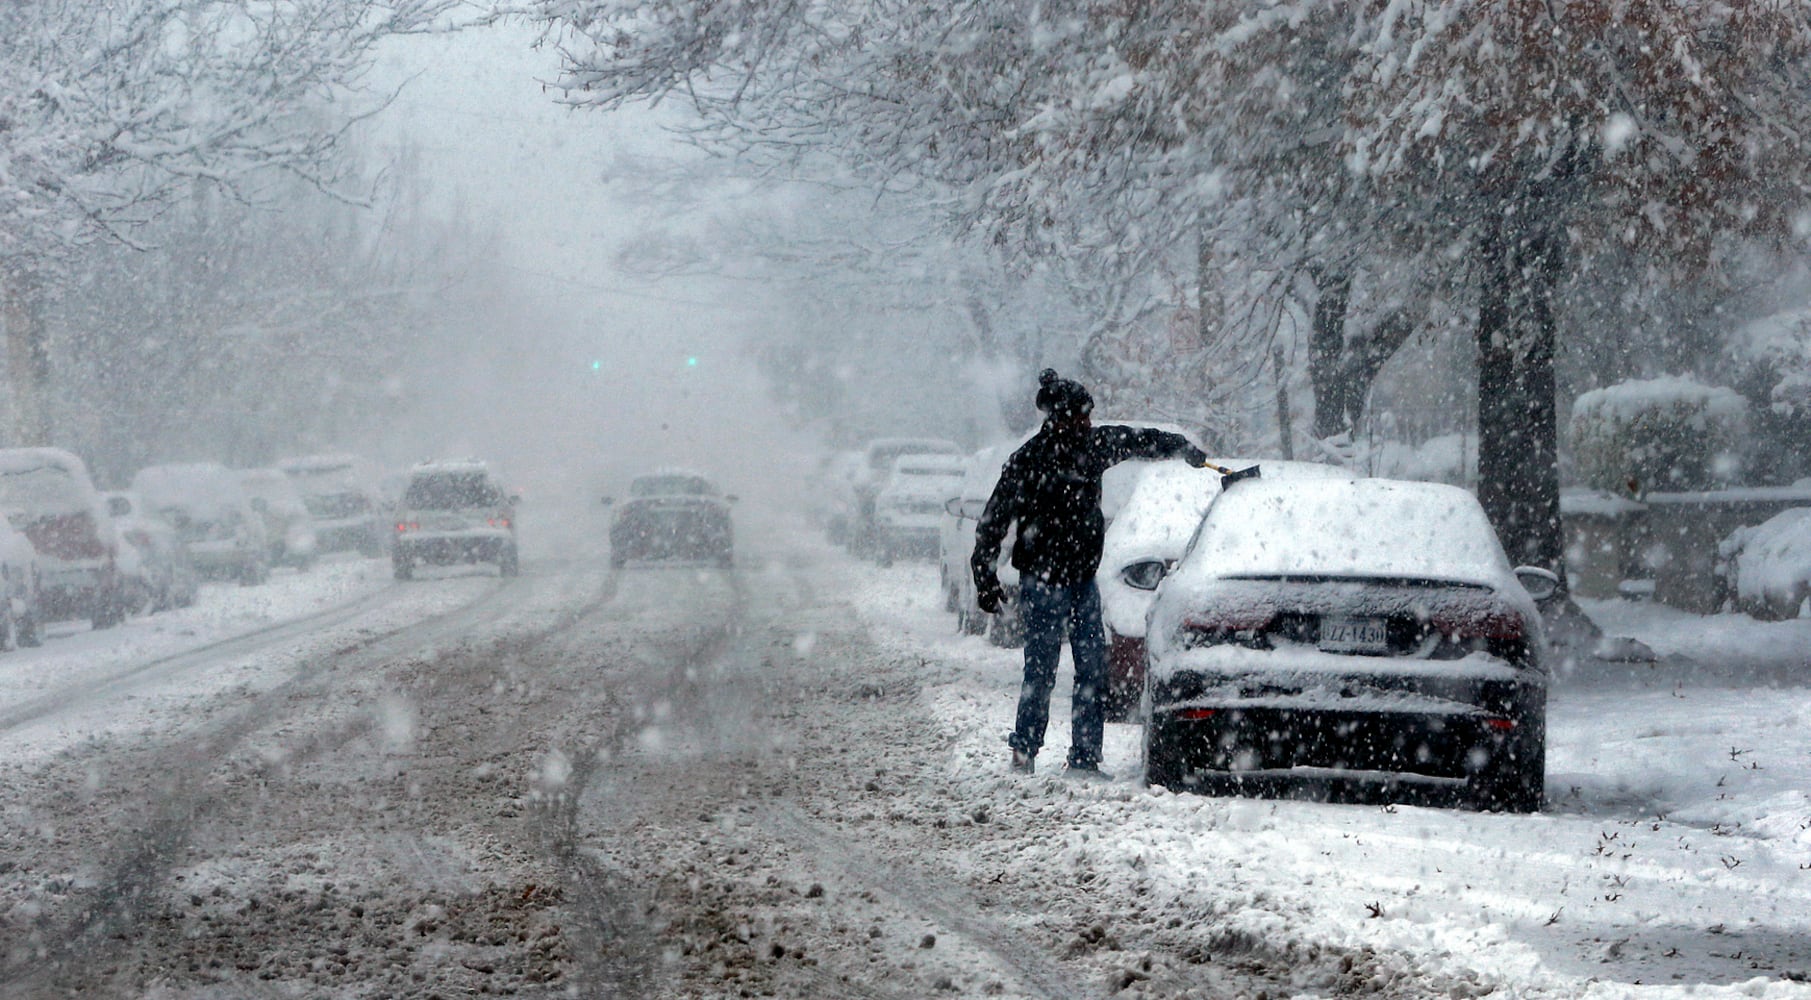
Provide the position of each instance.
(1051, 487)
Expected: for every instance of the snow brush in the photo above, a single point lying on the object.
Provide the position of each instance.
(1230, 476)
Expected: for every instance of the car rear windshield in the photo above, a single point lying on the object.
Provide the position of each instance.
(666, 486)
(452, 491)
(30, 495)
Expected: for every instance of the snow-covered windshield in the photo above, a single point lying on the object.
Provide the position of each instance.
(1338, 527)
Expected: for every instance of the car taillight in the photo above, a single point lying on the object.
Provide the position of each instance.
(497, 522)
(1494, 623)
(1244, 626)
(407, 526)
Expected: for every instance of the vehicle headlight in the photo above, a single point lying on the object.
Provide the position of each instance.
(1144, 575)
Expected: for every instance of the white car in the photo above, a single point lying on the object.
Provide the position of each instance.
(212, 515)
(956, 543)
(19, 614)
(287, 524)
(871, 473)
(1354, 638)
(908, 508)
(1144, 541)
(345, 497)
(455, 512)
(160, 574)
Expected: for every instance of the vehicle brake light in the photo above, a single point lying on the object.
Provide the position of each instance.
(498, 522)
(1499, 724)
(1482, 624)
(1196, 714)
(406, 526)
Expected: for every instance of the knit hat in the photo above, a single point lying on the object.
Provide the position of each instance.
(1061, 397)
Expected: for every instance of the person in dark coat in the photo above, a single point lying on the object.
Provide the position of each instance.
(1051, 488)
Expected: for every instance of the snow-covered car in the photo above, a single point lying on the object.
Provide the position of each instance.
(908, 509)
(871, 474)
(455, 512)
(288, 527)
(343, 494)
(19, 613)
(1145, 539)
(160, 575)
(672, 514)
(212, 515)
(46, 493)
(1348, 637)
(956, 543)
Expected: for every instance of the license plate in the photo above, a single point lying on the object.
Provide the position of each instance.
(1354, 635)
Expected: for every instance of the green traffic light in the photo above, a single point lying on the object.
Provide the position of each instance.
(691, 361)
(597, 366)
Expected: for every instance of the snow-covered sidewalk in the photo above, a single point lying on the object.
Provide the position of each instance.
(1674, 856)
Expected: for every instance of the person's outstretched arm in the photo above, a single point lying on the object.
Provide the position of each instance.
(1118, 443)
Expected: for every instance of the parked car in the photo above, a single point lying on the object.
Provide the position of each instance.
(1348, 637)
(212, 515)
(871, 474)
(19, 611)
(672, 514)
(47, 495)
(343, 494)
(909, 506)
(288, 527)
(161, 575)
(455, 512)
(1145, 539)
(956, 543)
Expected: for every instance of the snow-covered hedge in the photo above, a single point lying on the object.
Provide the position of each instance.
(1670, 433)
(1769, 565)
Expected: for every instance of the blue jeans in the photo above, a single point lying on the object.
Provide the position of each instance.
(1046, 609)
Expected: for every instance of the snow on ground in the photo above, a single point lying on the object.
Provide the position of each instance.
(108, 682)
(1674, 857)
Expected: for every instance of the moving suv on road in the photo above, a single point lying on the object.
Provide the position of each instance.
(454, 512)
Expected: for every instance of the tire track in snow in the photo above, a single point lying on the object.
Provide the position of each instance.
(123, 895)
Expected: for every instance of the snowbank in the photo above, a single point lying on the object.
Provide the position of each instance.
(1769, 565)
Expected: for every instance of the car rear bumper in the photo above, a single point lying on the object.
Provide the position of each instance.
(452, 547)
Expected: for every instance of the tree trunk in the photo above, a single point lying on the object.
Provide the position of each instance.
(1518, 425)
(27, 355)
(1326, 352)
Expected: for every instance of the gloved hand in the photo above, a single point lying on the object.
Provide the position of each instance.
(1197, 458)
(989, 595)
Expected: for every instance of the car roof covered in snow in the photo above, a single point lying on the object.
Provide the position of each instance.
(450, 467)
(203, 490)
(1345, 527)
(78, 494)
(1167, 503)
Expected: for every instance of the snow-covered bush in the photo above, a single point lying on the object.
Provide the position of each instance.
(1768, 566)
(1449, 458)
(1670, 433)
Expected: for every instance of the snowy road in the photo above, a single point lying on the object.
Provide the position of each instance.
(787, 780)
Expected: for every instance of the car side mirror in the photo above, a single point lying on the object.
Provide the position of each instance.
(119, 506)
(1541, 584)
